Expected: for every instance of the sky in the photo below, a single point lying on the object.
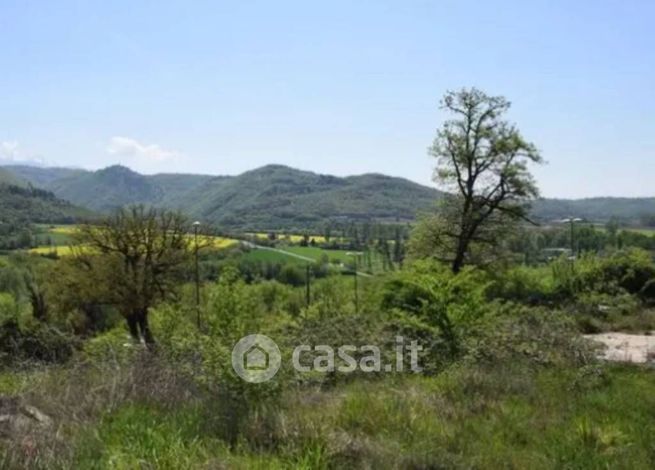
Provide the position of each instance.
(337, 87)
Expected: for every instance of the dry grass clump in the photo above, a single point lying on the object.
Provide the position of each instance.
(78, 395)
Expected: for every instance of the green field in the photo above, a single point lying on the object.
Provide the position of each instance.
(338, 259)
(286, 255)
(317, 253)
(643, 230)
(58, 235)
(268, 256)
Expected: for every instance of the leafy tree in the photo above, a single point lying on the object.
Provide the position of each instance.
(78, 285)
(612, 229)
(327, 231)
(482, 162)
(135, 258)
(398, 247)
(433, 293)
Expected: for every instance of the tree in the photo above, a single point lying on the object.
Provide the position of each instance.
(135, 258)
(612, 229)
(482, 162)
(328, 232)
(398, 247)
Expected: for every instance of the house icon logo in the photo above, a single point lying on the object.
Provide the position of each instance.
(256, 358)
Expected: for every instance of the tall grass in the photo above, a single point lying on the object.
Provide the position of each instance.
(534, 401)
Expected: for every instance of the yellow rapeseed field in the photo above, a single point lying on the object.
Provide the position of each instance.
(61, 250)
(293, 238)
(218, 243)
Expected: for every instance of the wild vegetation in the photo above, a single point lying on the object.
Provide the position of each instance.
(119, 354)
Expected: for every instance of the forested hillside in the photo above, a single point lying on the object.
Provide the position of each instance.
(276, 196)
(9, 178)
(597, 209)
(279, 196)
(41, 176)
(28, 204)
(271, 196)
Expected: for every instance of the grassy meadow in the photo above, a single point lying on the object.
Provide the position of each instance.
(462, 419)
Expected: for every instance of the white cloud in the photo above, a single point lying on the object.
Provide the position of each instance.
(9, 150)
(127, 147)
(12, 153)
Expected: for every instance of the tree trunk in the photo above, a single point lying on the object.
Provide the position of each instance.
(37, 299)
(137, 323)
(133, 327)
(460, 254)
(144, 328)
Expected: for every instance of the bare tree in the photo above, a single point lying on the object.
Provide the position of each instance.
(135, 258)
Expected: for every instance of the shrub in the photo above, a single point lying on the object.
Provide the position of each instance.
(523, 284)
(624, 271)
(444, 300)
(647, 292)
(113, 346)
(631, 269)
(23, 339)
(292, 275)
(534, 336)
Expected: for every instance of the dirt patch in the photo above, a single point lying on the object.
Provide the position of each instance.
(623, 347)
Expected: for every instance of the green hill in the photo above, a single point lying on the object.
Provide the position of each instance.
(175, 188)
(273, 196)
(112, 187)
(597, 209)
(10, 178)
(276, 196)
(279, 196)
(41, 176)
(106, 189)
(24, 205)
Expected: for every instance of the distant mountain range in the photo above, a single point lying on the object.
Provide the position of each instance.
(273, 196)
(276, 196)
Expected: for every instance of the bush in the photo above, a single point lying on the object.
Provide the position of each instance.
(523, 284)
(291, 275)
(442, 299)
(631, 269)
(624, 271)
(647, 292)
(113, 346)
(533, 336)
(24, 340)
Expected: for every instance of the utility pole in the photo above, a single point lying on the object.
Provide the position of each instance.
(196, 224)
(307, 286)
(572, 221)
(355, 255)
(572, 239)
(356, 290)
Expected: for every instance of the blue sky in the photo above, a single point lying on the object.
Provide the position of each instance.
(340, 87)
